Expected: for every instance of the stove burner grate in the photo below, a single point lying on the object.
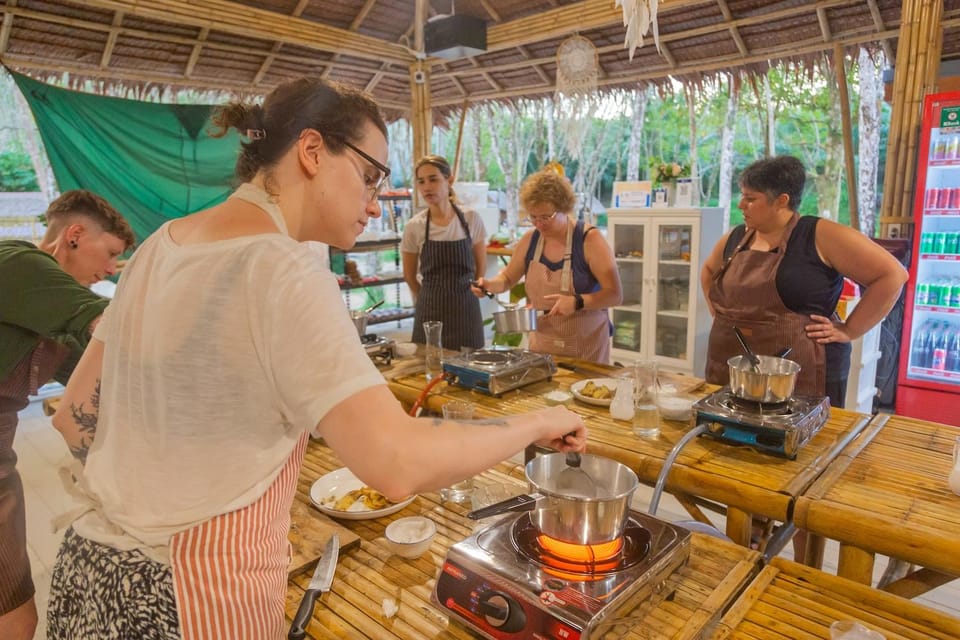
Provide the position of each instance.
(370, 338)
(582, 562)
(491, 358)
(734, 403)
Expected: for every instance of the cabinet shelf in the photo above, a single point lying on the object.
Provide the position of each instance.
(630, 259)
(673, 314)
(364, 246)
(683, 263)
(391, 315)
(375, 283)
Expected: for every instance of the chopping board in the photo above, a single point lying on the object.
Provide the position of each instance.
(309, 532)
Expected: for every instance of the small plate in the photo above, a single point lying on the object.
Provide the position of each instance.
(337, 484)
(610, 383)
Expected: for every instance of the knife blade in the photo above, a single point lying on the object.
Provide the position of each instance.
(319, 583)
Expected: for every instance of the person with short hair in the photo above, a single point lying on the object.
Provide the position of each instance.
(569, 271)
(227, 344)
(778, 278)
(47, 313)
(444, 247)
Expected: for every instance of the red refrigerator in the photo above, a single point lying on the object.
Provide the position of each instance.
(929, 377)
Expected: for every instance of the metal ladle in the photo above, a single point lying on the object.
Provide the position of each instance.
(754, 360)
(574, 480)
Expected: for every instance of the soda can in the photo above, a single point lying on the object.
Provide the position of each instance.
(931, 199)
(953, 202)
(950, 246)
(955, 295)
(926, 242)
(939, 242)
(923, 293)
(943, 198)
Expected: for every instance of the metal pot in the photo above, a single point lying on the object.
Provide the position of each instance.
(772, 382)
(515, 320)
(573, 518)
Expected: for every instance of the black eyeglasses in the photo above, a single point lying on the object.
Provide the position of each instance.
(374, 187)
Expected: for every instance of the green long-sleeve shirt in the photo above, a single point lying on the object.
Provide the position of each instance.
(38, 300)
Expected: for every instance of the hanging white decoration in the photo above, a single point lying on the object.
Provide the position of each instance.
(639, 16)
(578, 69)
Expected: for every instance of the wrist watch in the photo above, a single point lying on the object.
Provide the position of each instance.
(579, 299)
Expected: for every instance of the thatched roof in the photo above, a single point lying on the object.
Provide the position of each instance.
(248, 46)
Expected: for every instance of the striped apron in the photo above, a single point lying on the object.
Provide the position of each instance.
(230, 573)
(584, 334)
(447, 268)
(744, 295)
(16, 584)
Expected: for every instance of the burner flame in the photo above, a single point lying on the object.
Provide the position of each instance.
(581, 554)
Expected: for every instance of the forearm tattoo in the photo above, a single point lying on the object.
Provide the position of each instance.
(86, 422)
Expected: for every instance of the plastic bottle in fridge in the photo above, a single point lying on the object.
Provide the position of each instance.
(918, 350)
(938, 358)
(953, 353)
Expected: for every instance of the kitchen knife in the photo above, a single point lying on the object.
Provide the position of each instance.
(319, 583)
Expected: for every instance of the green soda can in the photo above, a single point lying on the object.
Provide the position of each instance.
(955, 295)
(923, 293)
(939, 242)
(926, 242)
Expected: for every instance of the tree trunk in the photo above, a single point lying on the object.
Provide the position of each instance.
(868, 124)
(640, 97)
(827, 177)
(551, 130)
(770, 141)
(691, 97)
(726, 149)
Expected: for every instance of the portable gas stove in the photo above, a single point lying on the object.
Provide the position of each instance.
(496, 371)
(381, 350)
(509, 581)
(781, 428)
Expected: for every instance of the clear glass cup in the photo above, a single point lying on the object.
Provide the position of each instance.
(460, 491)
(433, 330)
(646, 414)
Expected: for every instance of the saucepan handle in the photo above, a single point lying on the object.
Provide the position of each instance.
(517, 504)
(476, 284)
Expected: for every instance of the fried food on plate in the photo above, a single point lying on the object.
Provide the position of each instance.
(362, 499)
(596, 391)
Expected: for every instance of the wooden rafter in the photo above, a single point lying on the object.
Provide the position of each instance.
(196, 50)
(111, 40)
(236, 19)
(824, 23)
(734, 32)
(718, 63)
(275, 49)
(7, 25)
(878, 23)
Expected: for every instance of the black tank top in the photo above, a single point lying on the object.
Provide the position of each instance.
(806, 285)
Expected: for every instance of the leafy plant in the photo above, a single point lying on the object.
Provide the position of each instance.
(661, 171)
(16, 172)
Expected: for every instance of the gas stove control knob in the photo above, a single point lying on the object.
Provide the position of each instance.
(716, 427)
(502, 612)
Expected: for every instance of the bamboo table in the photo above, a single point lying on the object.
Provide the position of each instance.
(789, 600)
(887, 493)
(743, 481)
(716, 572)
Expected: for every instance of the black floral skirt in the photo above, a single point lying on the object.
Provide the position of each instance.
(99, 592)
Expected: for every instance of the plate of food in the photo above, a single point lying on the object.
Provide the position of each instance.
(598, 391)
(340, 494)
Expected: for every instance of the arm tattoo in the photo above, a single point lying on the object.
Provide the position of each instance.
(86, 424)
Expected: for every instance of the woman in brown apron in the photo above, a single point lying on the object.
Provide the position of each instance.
(50, 317)
(569, 270)
(778, 279)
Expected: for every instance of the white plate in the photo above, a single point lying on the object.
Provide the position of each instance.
(609, 383)
(337, 484)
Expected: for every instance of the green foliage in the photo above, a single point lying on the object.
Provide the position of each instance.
(16, 172)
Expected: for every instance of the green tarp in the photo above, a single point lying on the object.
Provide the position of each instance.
(153, 162)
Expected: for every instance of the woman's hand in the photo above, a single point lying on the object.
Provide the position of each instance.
(824, 330)
(563, 304)
(478, 287)
(564, 429)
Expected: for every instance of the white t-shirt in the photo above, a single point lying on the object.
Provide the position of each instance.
(217, 358)
(415, 231)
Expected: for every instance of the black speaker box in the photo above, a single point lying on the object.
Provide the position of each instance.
(455, 36)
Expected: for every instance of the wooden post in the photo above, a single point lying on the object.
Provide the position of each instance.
(420, 117)
(840, 68)
(456, 157)
(918, 56)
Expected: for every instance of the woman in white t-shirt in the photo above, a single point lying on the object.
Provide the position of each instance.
(226, 345)
(444, 247)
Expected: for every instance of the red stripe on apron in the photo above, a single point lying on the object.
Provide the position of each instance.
(230, 573)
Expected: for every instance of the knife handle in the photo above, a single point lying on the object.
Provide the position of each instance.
(298, 630)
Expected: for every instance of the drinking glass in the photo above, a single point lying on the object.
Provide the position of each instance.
(433, 329)
(646, 415)
(460, 491)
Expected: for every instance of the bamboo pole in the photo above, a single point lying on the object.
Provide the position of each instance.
(456, 157)
(840, 68)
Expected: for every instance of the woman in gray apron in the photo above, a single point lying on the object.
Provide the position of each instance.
(447, 246)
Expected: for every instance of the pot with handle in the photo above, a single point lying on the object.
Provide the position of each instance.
(773, 381)
(566, 514)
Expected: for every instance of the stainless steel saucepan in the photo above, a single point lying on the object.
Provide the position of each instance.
(566, 514)
(772, 380)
